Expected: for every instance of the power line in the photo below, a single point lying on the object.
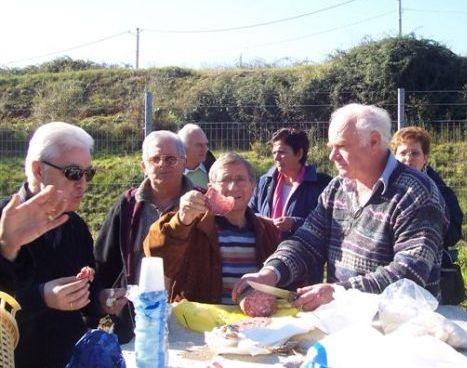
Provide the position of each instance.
(69, 49)
(318, 33)
(175, 31)
(434, 11)
(252, 25)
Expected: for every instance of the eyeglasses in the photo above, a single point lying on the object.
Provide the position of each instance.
(239, 180)
(74, 172)
(414, 154)
(167, 160)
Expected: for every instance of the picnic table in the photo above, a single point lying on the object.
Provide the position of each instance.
(187, 348)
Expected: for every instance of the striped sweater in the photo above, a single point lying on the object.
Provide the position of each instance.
(397, 234)
(238, 249)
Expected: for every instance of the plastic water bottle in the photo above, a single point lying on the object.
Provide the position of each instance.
(151, 316)
(151, 332)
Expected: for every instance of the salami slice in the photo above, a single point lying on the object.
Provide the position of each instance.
(226, 338)
(258, 304)
(218, 203)
(86, 273)
(232, 330)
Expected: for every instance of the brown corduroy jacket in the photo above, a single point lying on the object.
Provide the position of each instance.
(191, 254)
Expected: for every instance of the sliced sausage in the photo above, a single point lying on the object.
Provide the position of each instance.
(258, 304)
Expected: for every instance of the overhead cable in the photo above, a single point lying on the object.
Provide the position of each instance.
(251, 25)
(434, 11)
(317, 33)
(69, 49)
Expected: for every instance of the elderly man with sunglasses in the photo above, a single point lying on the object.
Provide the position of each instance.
(42, 269)
(119, 247)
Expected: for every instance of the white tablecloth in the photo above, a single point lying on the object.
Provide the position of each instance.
(182, 340)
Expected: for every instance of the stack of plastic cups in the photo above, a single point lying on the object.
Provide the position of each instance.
(152, 311)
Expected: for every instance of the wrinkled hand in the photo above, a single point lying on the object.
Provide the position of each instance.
(311, 297)
(264, 276)
(112, 301)
(284, 224)
(21, 223)
(192, 204)
(66, 293)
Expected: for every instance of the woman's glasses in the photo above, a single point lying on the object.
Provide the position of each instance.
(74, 172)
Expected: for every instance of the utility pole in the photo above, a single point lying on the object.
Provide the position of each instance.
(399, 16)
(400, 108)
(147, 113)
(137, 47)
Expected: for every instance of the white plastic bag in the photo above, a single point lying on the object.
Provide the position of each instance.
(402, 301)
(348, 307)
(436, 325)
(421, 351)
(360, 346)
(356, 345)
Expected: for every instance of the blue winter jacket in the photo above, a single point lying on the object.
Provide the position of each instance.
(303, 200)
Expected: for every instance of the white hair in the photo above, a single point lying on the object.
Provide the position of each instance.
(52, 140)
(155, 137)
(367, 118)
(230, 158)
(187, 129)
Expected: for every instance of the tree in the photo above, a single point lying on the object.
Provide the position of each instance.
(372, 72)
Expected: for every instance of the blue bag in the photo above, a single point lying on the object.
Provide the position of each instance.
(97, 349)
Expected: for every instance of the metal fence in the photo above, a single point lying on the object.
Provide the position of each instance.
(225, 136)
(222, 135)
(243, 136)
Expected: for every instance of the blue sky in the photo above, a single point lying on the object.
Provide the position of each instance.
(104, 31)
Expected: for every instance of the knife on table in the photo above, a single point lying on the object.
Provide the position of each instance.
(290, 296)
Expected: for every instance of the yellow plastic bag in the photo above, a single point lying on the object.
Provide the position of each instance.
(202, 317)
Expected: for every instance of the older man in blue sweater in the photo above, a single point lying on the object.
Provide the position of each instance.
(378, 221)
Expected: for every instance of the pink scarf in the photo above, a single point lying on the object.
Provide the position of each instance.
(278, 208)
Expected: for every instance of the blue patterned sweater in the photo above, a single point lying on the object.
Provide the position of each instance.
(397, 234)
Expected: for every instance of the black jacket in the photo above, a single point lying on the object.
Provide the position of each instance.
(456, 216)
(48, 336)
(111, 251)
(210, 159)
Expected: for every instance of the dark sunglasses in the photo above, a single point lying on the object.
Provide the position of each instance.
(74, 172)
